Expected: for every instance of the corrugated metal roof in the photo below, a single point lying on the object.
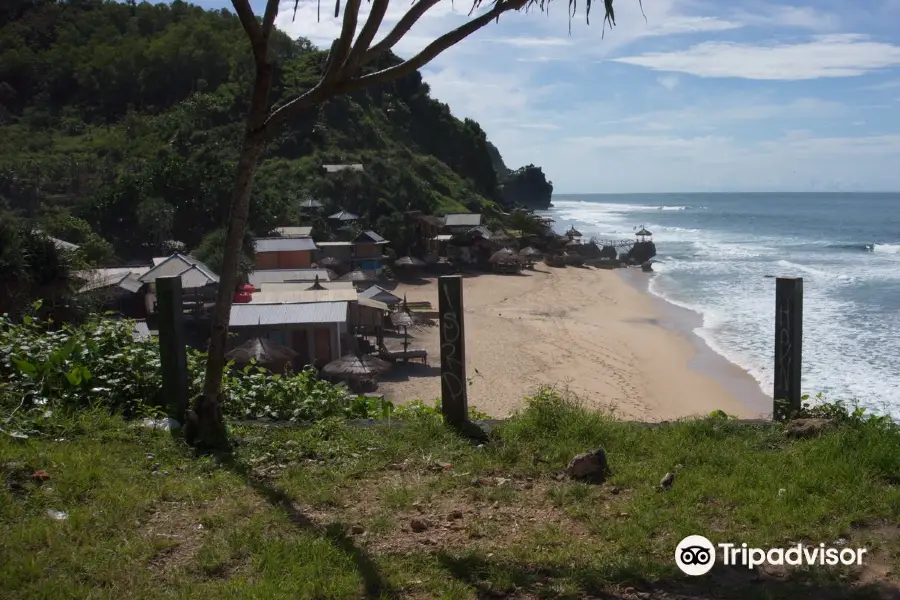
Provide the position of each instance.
(462, 220)
(370, 235)
(334, 244)
(343, 295)
(251, 315)
(127, 278)
(378, 293)
(193, 272)
(284, 244)
(294, 231)
(373, 304)
(302, 286)
(257, 278)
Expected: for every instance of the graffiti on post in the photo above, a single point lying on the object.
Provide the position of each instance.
(454, 403)
(788, 345)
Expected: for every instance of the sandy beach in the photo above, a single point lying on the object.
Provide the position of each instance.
(583, 329)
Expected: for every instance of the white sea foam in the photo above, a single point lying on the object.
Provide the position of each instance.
(728, 281)
(886, 248)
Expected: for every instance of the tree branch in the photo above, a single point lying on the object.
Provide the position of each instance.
(433, 49)
(341, 50)
(251, 26)
(368, 33)
(400, 29)
(269, 19)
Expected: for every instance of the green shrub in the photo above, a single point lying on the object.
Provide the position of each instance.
(101, 364)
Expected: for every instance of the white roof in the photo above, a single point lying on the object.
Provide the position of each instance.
(193, 273)
(257, 278)
(302, 286)
(342, 295)
(284, 244)
(294, 231)
(250, 315)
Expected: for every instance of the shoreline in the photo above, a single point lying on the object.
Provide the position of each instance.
(587, 330)
(706, 361)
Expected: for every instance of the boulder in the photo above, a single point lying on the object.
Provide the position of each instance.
(590, 465)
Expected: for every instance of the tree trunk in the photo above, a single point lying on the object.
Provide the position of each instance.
(206, 427)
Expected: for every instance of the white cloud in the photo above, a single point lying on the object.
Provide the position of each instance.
(670, 82)
(844, 55)
(801, 17)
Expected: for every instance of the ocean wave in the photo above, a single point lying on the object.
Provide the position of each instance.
(879, 248)
(674, 207)
(886, 248)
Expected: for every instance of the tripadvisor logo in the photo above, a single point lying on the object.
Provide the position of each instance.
(696, 555)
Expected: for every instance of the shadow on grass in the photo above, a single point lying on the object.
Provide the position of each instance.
(374, 583)
(494, 578)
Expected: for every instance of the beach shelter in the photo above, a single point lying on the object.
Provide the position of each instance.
(409, 261)
(573, 233)
(344, 216)
(354, 366)
(310, 204)
(643, 234)
(357, 276)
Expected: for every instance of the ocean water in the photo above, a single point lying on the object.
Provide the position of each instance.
(715, 251)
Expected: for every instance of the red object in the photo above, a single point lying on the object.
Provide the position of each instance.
(248, 287)
(41, 475)
(242, 298)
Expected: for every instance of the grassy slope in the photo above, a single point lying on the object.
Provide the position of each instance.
(327, 512)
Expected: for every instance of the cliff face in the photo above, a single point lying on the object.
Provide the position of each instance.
(526, 186)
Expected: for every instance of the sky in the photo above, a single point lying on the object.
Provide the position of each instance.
(702, 96)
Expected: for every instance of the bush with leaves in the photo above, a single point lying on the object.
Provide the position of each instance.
(101, 364)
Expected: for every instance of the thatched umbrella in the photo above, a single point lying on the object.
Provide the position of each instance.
(573, 233)
(529, 252)
(329, 261)
(504, 256)
(643, 233)
(357, 276)
(353, 366)
(262, 351)
(409, 261)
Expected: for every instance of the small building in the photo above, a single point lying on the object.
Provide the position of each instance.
(294, 232)
(365, 252)
(312, 329)
(284, 253)
(196, 277)
(461, 222)
(258, 278)
(117, 289)
(380, 294)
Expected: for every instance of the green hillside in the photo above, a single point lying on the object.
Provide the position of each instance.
(128, 116)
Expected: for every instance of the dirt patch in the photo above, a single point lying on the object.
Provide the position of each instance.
(483, 513)
(176, 533)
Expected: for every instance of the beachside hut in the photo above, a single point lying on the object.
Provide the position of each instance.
(505, 261)
(573, 233)
(310, 204)
(642, 234)
(361, 370)
(529, 255)
(358, 277)
(344, 217)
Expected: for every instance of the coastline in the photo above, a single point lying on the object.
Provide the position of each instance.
(707, 361)
(591, 331)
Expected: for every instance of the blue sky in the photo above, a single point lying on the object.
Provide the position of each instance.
(703, 96)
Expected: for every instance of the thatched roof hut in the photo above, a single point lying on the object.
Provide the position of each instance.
(573, 233)
(504, 256)
(409, 261)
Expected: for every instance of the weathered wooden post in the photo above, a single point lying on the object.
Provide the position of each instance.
(788, 346)
(454, 401)
(172, 343)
